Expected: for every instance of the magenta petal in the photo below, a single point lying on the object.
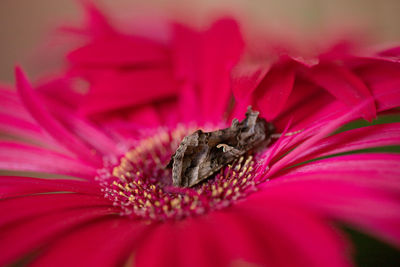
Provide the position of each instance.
(144, 116)
(222, 48)
(339, 196)
(168, 118)
(27, 131)
(196, 232)
(344, 85)
(317, 132)
(362, 138)
(62, 90)
(274, 90)
(311, 242)
(16, 186)
(384, 82)
(246, 78)
(19, 157)
(277, 147)
(388, 99)
(204, 60)
(368, 168)
(161, 239)
(238, 243)
(393, 52)
(18, 123)
(317, 108)
(309, 97)
(107, 242)
(111, 48)
(32, 235)
(53, 127)
(119, 89)
(118, 51)
(186, 68)
(25, 208)
(10, 104)
(188, 103)
(185, 41)
(97, 22)
(83, 129)
(15, 119)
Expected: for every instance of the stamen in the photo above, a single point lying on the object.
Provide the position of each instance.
(142, 186)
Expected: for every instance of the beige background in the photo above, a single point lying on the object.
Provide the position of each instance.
(25, 23)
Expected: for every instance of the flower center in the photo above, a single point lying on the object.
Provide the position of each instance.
(142, 186)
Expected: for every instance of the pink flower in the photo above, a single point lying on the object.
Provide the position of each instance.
(87, 185)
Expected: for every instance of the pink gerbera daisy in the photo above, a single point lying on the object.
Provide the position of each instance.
(86, 184)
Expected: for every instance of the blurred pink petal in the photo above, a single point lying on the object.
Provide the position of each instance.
(344, 85)
(279, 219)
(357, 204)
(119, 51)
(362, 138)
(20, 157)
(161, 240)
(24, 209)
(32, 234)
(25, 129)
(197, 233)
(373, 166)
(101, 244)
(222, 48)
(135, 88)
(321, 132)
(53, 127)
(384, 81)
(204, 60)
(274, 90)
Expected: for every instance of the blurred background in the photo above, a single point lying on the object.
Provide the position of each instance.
(24, 24)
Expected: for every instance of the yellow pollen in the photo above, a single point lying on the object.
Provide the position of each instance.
(122, 194)
(175, 202)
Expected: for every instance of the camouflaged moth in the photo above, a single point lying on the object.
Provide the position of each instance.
(202, 154)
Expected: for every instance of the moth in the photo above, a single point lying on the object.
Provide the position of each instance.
(202, 154)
